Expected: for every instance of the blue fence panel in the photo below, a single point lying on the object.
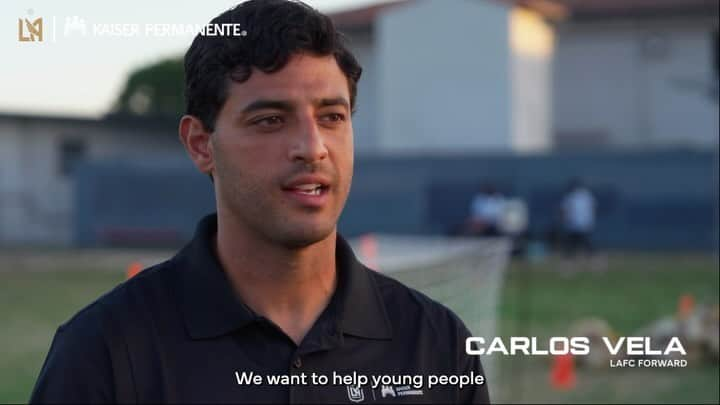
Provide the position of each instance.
(646, 199)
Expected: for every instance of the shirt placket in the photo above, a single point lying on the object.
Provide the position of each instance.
(295, 368)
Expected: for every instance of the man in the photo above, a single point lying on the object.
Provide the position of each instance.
(486, 211)
(578, 209)
(267, 286)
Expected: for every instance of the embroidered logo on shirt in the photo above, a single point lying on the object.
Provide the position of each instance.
(401, 391)
(355, 393)
(387, 390)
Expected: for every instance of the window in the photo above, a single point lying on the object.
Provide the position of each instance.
(72, 151)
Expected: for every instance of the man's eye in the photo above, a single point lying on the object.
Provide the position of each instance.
(271, 121)
(333, 117)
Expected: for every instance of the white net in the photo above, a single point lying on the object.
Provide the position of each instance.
(464, 274)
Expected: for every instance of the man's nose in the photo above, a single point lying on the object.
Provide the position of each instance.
(308, 144)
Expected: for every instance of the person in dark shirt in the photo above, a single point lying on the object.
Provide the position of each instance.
(266, 287)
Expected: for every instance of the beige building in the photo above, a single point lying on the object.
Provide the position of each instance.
(530, 75)
(38, 155)
(637, 74)
(450, 76)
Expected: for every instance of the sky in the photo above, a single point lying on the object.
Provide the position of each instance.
(72, 74)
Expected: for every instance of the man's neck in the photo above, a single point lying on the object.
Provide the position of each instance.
(290, 286)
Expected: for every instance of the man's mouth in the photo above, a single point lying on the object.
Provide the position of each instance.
(309, 189)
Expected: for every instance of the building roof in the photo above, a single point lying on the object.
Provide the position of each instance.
(155, 123)
(363, 17)
(637, 8)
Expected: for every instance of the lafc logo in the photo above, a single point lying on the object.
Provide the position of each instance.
(355, 393)
(30, 31)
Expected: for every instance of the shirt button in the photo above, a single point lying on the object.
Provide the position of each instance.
(297, 363)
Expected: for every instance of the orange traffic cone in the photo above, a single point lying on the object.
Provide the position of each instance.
(562, 375)
(686, 304)
(369, 250)
(133, 269)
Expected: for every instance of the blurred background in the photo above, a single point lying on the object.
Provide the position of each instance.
(559, 158)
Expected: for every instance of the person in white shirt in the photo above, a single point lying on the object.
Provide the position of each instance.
(578, 209)
(486, 211)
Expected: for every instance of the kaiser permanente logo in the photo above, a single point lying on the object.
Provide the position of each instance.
(77, 27)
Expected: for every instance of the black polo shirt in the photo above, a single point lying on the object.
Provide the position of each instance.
(177, 333)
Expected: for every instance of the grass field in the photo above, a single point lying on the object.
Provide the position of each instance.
(633, 292)
(535, 300)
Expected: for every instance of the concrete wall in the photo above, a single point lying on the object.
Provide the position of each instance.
(365, 127)
(532, 46)
(444, 77)
(36, 197)
(636, 83)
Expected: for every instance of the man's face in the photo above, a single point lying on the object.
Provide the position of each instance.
(283, 151)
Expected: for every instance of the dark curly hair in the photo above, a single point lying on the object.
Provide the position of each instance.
(275, 31)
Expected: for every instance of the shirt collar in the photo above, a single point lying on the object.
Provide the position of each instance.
(211, 308)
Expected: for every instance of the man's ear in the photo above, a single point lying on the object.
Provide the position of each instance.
(196, 141)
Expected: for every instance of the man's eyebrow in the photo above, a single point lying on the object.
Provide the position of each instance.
(325, 102)
(268, 104)
(287, 106)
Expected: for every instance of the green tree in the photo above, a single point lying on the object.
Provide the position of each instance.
(155, 89)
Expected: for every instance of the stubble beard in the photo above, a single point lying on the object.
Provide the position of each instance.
(264, 217)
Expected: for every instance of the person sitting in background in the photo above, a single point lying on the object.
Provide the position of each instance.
(486, 210)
